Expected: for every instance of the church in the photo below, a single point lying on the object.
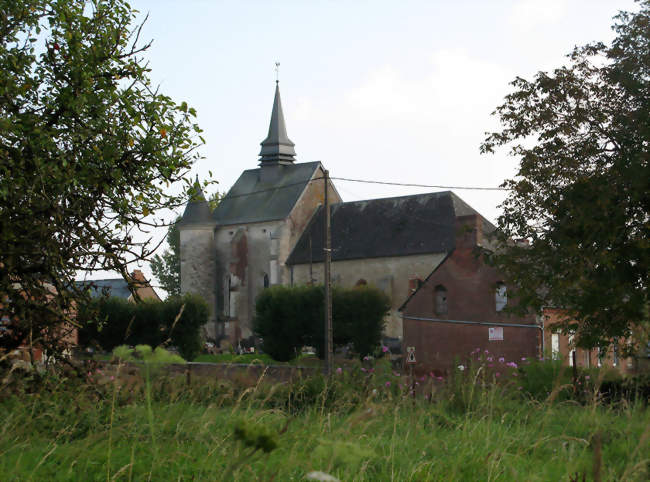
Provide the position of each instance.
(268, 230)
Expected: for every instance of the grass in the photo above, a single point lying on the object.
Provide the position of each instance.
(256, 358)
(353, 427)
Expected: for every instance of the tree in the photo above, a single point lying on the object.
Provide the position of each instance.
(167, 267)
(89, 150)
(582, 193)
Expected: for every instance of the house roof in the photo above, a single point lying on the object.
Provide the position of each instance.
(117, 288)
(398, 226)
(259, 196)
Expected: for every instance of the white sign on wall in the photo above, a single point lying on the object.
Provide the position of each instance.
(495, 333)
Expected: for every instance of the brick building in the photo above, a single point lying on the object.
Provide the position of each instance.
(460, 306)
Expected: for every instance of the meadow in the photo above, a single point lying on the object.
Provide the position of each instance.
(364, 423)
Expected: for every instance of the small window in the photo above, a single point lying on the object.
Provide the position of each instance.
(266, 280)
(555, 346)
(501, 296)
(440, 294)
(361, 282)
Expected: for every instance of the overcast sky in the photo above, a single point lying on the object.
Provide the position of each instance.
(385, 90)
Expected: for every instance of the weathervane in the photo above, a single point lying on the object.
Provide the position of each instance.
(277, 72)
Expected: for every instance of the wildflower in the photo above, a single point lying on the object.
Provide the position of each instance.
(515, 374)
(501, 360)
(366, 358)
(89, 374)
(461, 367)
(432, 375)
(523, 358)
(388, 384)
(587, 377)
(112, 378)
(486, 351)
(339, 370)
(363, 369)
(396, 374)
(511, 364)
(384, 349)
(489, 358)
(417, 383)
(423, 378)
(440, 378)
(497, 374)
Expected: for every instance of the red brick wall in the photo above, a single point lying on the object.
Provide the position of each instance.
(470, 286)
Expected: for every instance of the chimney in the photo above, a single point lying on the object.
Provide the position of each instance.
(469, 231)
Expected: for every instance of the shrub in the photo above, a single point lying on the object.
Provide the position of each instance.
(288, 318)
(110, 322)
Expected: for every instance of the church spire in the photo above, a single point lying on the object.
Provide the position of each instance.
(277, 148)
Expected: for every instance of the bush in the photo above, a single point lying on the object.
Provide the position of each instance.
(110, 322)
(288, 318)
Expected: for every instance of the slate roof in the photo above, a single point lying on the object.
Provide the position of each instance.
(253, 200)
(277, 147)
(197, 210)
(116, 287)
(398, 226)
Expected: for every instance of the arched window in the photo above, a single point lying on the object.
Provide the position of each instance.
(266, 280)
(500, 296)
(440, 299)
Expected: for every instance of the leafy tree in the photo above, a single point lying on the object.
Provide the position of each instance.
(582, 193)
(167, 267)
(88, 152)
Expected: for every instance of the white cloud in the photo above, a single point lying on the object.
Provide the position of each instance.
(529, 14)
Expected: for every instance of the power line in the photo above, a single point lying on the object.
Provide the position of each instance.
(367, 181)
(422, 185)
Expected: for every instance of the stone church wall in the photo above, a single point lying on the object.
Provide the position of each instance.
(198, 269)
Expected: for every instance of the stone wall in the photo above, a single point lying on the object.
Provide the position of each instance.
(198, 269)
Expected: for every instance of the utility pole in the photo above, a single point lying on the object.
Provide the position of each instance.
(327, 265)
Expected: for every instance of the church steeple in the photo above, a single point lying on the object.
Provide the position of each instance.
(277, 148)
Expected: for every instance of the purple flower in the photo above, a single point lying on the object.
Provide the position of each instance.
(486, 351)
(388, 384)
(339, 370)
(523, 358)
(440, 378)
(112, 378)
(363, 369)
(511, 364)
(417, 383)
(423, 378)
(587, 377)
(396, 374)
(384, 349)
(489, 358)
(497, 374)
(366, 358)
(501, 360)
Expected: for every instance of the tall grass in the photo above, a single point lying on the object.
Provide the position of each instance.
(358, 425)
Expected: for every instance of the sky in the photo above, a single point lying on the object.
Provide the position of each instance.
(397, 91)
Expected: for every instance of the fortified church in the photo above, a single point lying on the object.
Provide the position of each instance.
(268, 230)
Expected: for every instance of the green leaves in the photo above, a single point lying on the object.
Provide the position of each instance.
(87, 150)
(581, 195)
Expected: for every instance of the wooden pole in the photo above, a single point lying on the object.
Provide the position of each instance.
(328, 279)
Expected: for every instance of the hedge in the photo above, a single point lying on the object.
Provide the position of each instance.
(288, 318)
(111, 322)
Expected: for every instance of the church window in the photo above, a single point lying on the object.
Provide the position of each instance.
(266, 280)
(500, 296)
(440, 298)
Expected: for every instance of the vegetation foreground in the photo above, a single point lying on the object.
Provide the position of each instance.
(144, 424)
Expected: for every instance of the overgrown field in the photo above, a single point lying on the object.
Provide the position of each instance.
(356, 426)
